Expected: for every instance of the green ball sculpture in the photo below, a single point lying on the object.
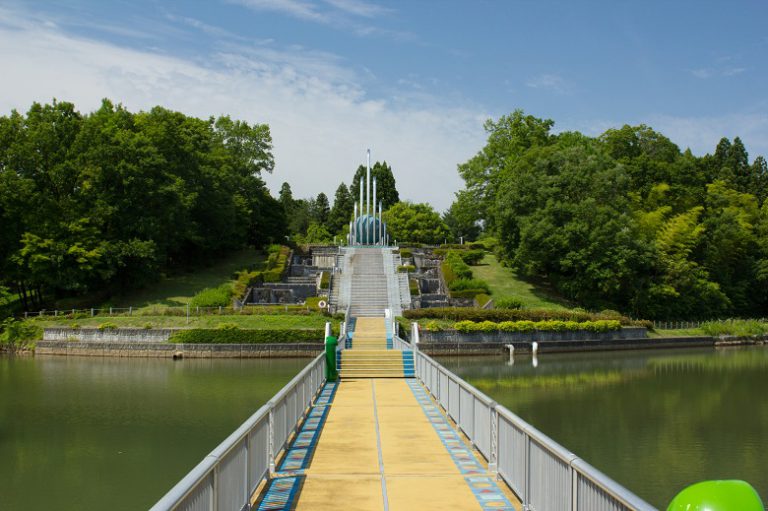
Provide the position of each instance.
(717, 496)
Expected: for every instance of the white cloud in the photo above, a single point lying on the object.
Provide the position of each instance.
(321, 117)
(551, 82)
(358, 8)
(296, 8)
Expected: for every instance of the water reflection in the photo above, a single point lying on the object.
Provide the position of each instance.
(653, 420)
(117, 433)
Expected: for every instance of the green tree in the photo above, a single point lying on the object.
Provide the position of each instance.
(415, 223)
(460, 218)
(343, 208)
(321, 209)
(386, 189)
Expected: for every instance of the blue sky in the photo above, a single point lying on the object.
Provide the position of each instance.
(412, 80)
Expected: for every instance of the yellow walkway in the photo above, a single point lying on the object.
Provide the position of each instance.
(377, 444)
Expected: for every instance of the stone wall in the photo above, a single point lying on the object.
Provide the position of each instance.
(499, 348)
(453, 336)
(124, 335)
(169, 350)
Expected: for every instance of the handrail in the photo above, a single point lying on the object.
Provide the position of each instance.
(227, 477)
(543, 473)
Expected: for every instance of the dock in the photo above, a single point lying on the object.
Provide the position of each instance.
(385, 446)
(395, 431)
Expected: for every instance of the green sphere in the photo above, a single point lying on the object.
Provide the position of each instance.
(717, 496)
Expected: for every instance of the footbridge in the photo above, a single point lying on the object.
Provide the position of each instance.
(396, 431)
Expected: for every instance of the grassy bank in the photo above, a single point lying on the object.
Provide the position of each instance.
(257, 322)
(177, 289)
(504, 282)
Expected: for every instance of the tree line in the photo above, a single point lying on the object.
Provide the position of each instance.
(314, 220)
(109, 199)
(624, 220)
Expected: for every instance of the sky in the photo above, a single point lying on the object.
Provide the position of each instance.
(414, 81)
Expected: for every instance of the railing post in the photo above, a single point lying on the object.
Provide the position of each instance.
(574, 488)
(415, 336)
(271, 439)
(493, 462)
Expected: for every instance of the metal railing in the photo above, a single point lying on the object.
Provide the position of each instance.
(227, 478)
(543, 474)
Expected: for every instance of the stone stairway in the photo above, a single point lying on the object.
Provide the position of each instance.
(370, 353)
(368, 283)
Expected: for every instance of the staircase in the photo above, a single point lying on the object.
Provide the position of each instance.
(370, 353)
(368, 282)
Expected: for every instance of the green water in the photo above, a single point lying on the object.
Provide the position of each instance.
(655, 421)
(87, 433)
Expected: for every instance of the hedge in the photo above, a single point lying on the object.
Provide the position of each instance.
(237, 336)
(498, 315)
(413, 284)
(605, 325)
(405, 253)
(325, 280)
(465, 284)
(405, 268)
(507, 302)
(469, 293)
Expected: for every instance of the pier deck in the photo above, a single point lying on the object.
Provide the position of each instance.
(385, 445)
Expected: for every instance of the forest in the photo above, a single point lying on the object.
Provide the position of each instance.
(103, 202)
(624, 220)
(108, 200)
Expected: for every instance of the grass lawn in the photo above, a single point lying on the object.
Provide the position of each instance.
(179, 289)
(504, 282)
(681, 332)
(258, 322)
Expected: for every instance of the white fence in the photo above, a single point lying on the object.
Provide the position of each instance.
(543, 474)
(227, 478)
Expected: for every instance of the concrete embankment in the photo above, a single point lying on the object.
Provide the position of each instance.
(170, 350)
(496, 348)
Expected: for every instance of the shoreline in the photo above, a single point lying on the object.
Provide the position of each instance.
(295, 350)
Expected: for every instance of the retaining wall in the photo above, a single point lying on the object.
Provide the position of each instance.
(169, 350)
(124, 335)
(454, 336)
(496, 348)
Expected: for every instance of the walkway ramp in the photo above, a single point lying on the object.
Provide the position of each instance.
(384, 446)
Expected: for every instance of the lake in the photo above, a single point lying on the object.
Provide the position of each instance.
(117, 433)
(655, 421)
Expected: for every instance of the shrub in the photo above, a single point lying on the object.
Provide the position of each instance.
(213, 297)
(507, 302)
(15, 333)
(406, 253)
(227, 326)
(477, 314)
(464, 284)
(406, 268)
(325, 280)
(239, 336)
(108, 326)
(147, 326)
(413, 284)
(468, 293)
(737, 327)
(433, 326)
(472, 257)
(541, 326)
